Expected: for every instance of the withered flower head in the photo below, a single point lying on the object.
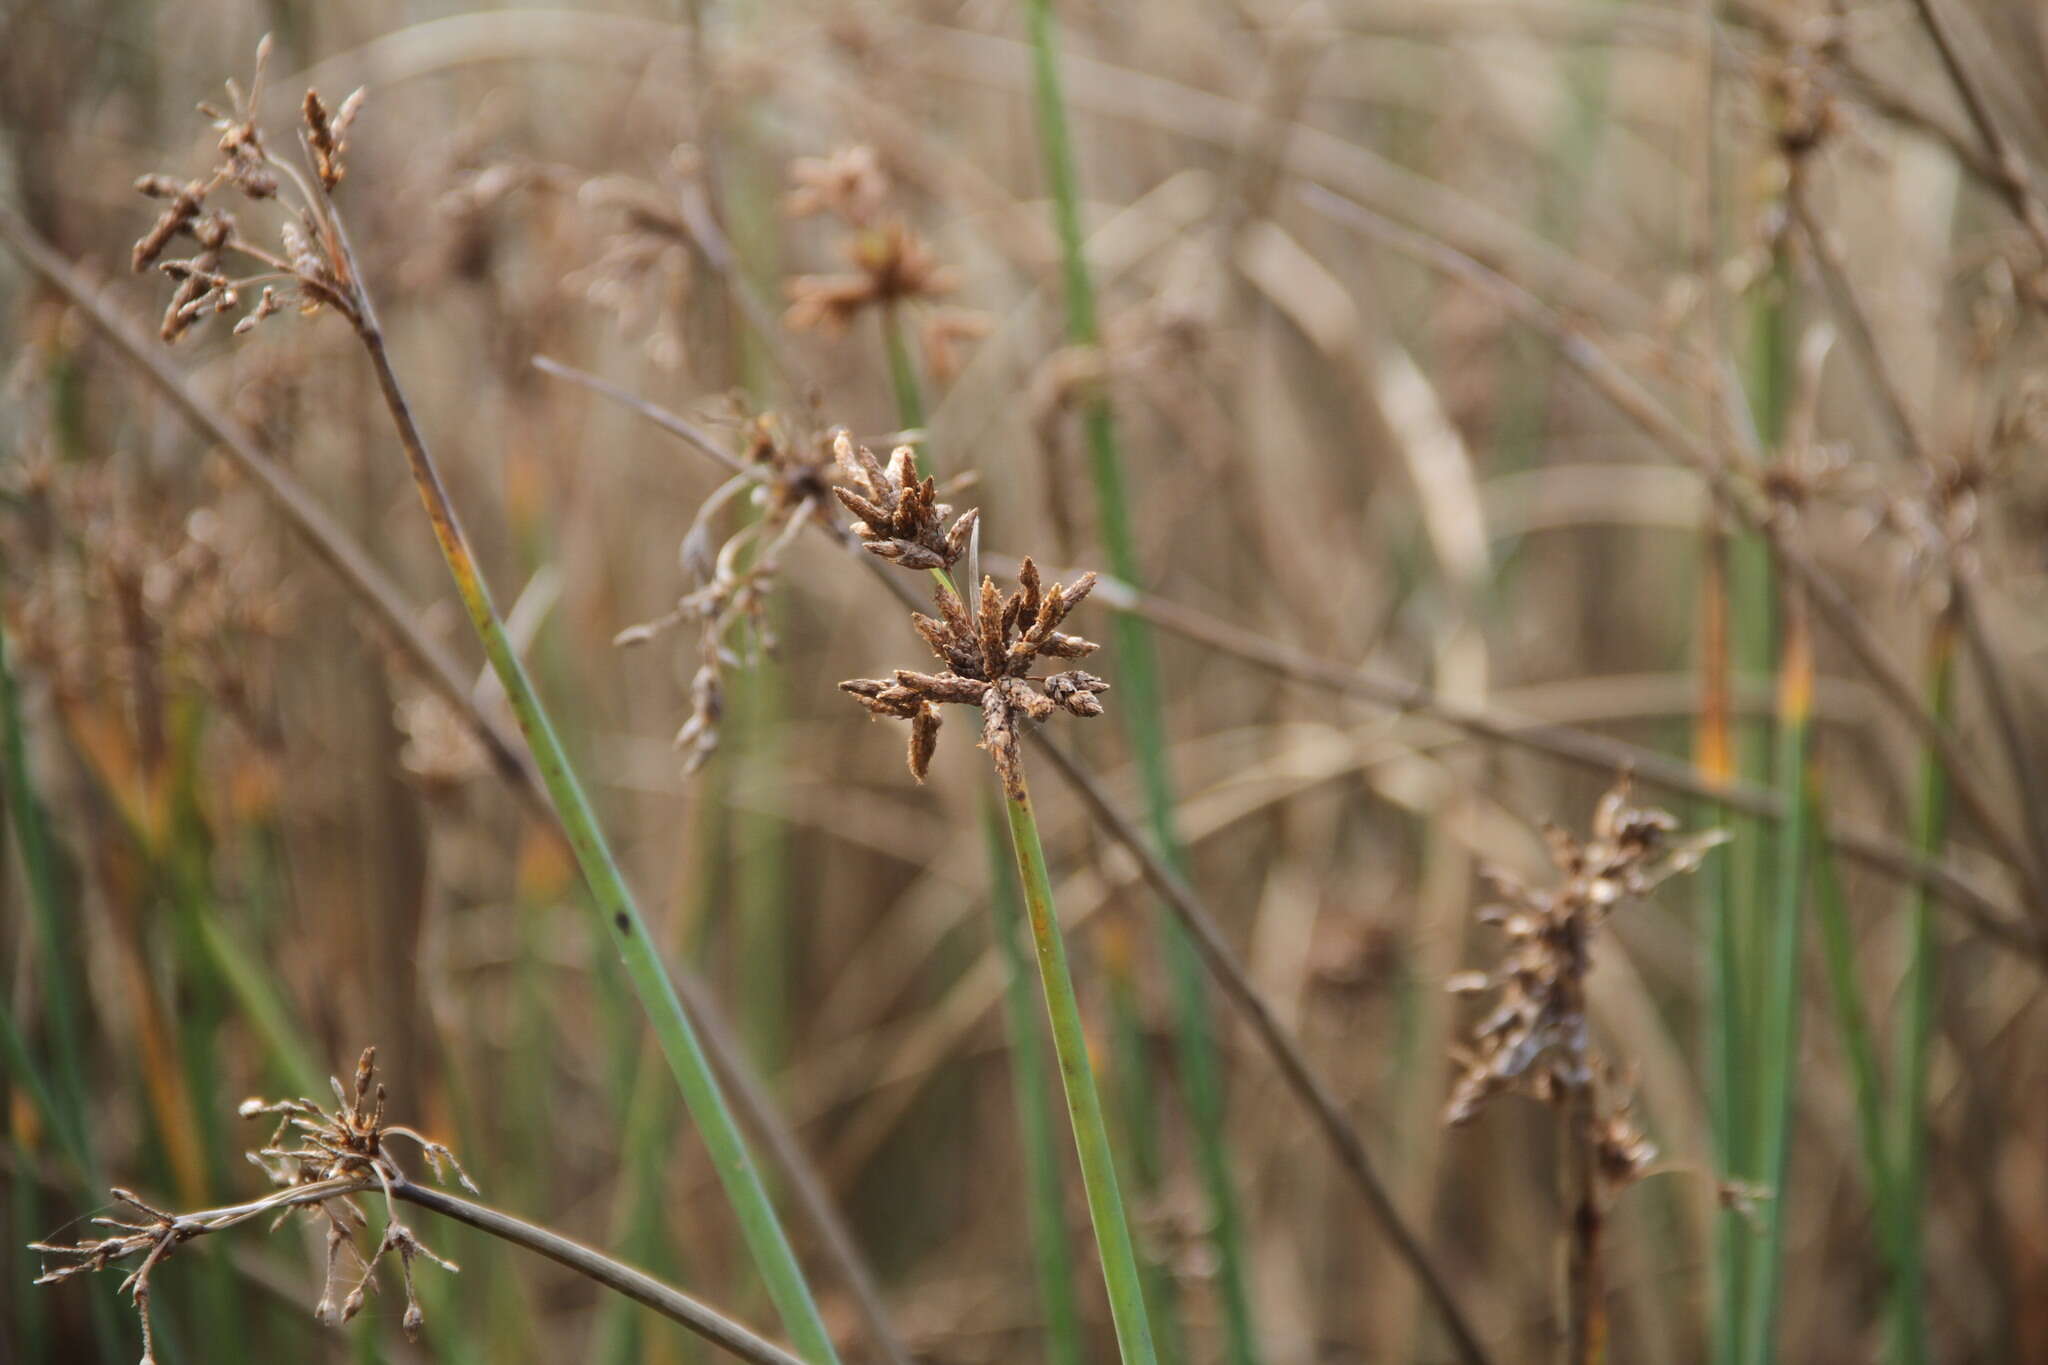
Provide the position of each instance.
(310, 259)
(785, 476)
(328, 136)
(322, 1159)
(1536, 1038)
(988, 655)
(892, 264)
(900, 514)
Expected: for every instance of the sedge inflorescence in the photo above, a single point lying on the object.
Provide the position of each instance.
(990, 650)
(321, 1159)
(1536, 1039)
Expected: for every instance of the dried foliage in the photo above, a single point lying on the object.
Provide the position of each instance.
(310, 258)
(784, 479)
(1536, 1039)
(892, 265)
(989, 655)
(321, 1159)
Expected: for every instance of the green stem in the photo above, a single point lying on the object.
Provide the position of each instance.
(1034, 1116)
(902, 369)
(1143, 709)
(1777, 1038)
(1916, 1034)
(614, 899)
(1084, 1104)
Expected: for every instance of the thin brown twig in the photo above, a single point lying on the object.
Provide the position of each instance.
(644, 1289)
(616, 1276)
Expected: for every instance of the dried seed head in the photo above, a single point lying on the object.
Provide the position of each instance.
(988, 657)
(900, 516)
(1536, 1039)
(327, 135)
(186, 202)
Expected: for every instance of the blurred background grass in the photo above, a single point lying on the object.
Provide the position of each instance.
(244, 841)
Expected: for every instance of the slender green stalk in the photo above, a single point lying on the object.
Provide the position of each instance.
(1084, 1104)
(673, 1031)
(1034, 1116)
(1777, 1037)
(1714, 754)
(1143, 709)
(1137, 1120)
(902, 369)
(1916, 1033)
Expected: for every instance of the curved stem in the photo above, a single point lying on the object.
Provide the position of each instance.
(638, 1286)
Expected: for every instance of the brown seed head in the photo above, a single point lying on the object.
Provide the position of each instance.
(988, 656)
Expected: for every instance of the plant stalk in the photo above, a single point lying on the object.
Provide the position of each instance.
(1143, 709)
(1916, 1032)
(1777, 1038)
(1064, 1345)
(678, 1040)
(1077, 1076)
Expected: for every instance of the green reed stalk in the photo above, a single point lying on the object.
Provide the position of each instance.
(678, 1039)
(1143, 709)
(1714, 753)
(1084, 1104)
(1046, 1200)
(1131, 1093)
(1916, 1033)
(1777, 1039)
(902, 369)
(1064, 1345)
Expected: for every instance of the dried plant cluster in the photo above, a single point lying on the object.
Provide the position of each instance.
(892, 265)
(321, 1159)
(784, 479)
(309, 269)
(1536, 1040)
(988, 653)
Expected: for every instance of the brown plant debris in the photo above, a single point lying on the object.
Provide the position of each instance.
(988, 655)
(321, 1159)
(786, 478)
(1536, 1039)
(307, 267)
(891, 263)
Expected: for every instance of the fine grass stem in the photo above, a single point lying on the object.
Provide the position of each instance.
(1046, 1204)
(1143, 708)
(673, 1030)
(1776, 1052)
(1077, 1077)
(1916, 1032)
